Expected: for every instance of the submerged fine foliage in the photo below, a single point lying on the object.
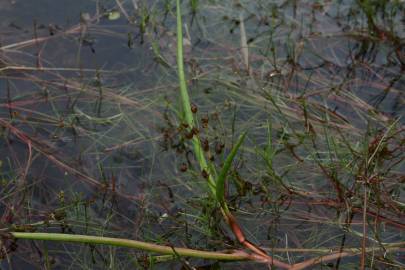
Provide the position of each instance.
(217, 186)
(202, 135)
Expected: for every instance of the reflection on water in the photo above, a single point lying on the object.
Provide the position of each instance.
(88, 129)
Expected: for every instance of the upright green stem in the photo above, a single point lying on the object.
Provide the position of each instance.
(185, 100)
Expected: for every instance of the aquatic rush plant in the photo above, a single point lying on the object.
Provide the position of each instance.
(216, 181)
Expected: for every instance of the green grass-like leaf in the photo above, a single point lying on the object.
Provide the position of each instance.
(220, 183)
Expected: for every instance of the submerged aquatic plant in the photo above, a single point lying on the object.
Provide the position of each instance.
(216, 183)
(350, 180)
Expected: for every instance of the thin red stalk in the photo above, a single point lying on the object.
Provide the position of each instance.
(322, 259)
(380, 218)
(364, 240)
(260, 254)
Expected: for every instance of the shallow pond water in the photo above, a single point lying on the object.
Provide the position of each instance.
(91, 141)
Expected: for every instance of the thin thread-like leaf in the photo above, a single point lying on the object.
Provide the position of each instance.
(243, 42)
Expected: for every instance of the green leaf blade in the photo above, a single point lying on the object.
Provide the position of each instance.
(220, 183)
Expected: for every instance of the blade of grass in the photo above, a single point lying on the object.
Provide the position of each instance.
(220, 183)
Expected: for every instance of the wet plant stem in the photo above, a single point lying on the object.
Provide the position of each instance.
(211, 255)
(186, 104)
(118, 242)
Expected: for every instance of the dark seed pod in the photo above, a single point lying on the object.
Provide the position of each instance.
(204, 174)
(194, 108)
(205, 145)
(183, 167)
(204, 121)
(189, 135)
(195, 130)
(219, 147)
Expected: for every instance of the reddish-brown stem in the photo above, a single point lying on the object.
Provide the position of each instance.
(261, 255)
(322, 259)
(363, 243)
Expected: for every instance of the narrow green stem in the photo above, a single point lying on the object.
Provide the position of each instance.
(185, 100)
(118, 242)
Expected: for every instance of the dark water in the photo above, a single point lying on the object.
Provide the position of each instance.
(89, 134)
